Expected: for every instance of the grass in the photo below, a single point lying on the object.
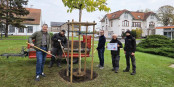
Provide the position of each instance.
(152, 71)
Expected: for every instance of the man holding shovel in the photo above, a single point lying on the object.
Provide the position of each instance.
(59, 42)
(42, 41)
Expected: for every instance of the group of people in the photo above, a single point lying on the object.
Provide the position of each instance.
(45, 42)
(57, 42)
(129, 51)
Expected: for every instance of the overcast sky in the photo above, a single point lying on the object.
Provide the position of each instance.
(54, 10)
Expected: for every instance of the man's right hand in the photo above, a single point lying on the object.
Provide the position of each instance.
(124, 52)
(31, 44)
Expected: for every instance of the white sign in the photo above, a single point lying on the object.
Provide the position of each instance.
(112, 46)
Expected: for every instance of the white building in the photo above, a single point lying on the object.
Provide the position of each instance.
(123, 20)
(33, 23)
(166, 31)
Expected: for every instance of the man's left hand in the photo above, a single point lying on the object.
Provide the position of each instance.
(49, 52)
(133, 54)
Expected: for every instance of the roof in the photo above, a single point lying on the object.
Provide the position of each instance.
(57, 24)
(164, 27)
(33, 17)
(136, 15)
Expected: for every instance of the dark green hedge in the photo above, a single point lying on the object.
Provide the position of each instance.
(157, 44)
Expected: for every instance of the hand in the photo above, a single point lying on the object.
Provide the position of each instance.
(124, 52)
(59, 40)
(118, 45)
(62, 47)
(106, 46)
(49, 52)
(31, 44)
(133, 54)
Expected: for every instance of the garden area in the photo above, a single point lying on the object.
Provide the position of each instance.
(152, 70)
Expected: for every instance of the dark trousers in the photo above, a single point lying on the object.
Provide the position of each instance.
(58, 52)
(101, 56)
(41, 56)
(115, 61)
(128, 56)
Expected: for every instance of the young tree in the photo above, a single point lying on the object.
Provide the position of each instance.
(13, 11)
(166, 14)
(90, 6)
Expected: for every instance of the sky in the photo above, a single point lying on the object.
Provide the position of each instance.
(55, 11)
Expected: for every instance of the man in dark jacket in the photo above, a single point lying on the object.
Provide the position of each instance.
(101, 49)
(59, 41)
(115, 53)
(129, 50)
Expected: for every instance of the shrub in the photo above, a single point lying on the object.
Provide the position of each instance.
(157, 44)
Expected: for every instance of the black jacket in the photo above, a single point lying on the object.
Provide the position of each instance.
(102, 41)
(114, 52)
(55, 38)
(130, 44)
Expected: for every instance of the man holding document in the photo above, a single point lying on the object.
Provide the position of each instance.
(114, 45)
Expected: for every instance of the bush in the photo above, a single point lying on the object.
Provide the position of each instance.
(157, 44)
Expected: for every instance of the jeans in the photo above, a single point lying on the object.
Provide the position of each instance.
(128, 56)
(101, 56)
(41, 56)
(115, 61)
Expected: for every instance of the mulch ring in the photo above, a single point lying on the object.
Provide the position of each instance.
(85, 78)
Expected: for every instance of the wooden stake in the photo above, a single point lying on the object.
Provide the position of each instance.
(85, 49)
(92, 53)
(67, 73)
(71, 77)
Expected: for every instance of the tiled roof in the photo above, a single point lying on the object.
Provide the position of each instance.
(164, 27)
(33, 17)
(57, 24)
(136, 15)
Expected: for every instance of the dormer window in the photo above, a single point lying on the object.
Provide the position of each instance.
(152, 17)
(106, 21)
(126, 15)
(113, 15)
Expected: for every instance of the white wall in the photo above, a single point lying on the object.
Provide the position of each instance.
(159, 31)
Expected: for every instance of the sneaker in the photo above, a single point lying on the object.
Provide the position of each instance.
(37, 78)
(101, 67)
(133, 73)
(116, 71)
(43, 75)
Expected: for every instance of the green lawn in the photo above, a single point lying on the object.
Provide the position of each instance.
(152, 71)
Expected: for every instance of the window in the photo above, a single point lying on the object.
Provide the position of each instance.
(136, 24)
(21, 30)
(106, 27)
(106, 21)
(30, 29)
(11, 29)
(126, 15)
(123, 30)
(151, 25)
(152, 17)
(111, 23)
(125, 23)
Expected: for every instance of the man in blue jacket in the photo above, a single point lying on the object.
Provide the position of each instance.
(101, 49)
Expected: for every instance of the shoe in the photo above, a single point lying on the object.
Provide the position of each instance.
(43, 75)
(51, 64)
(125, 70)
(116, 71)
(133, 73)
(37, 78)
(101, 67)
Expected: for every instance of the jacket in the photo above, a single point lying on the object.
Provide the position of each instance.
(102, 41)
(57, 37)
(37, 36)
(130, 44)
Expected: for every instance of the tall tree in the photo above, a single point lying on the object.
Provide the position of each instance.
(166, 14)
(12, 11)
(90, 6)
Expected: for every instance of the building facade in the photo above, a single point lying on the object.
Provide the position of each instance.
(167, 31)
(123, 20)
(32, 25)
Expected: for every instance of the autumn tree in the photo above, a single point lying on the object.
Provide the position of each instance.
(166, 15)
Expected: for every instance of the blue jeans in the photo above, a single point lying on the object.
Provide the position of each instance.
(41, 56)
(101, 56)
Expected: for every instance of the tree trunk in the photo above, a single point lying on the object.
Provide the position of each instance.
(80, 17)
(6, 30)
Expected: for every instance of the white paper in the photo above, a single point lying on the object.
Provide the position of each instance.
(112, 46)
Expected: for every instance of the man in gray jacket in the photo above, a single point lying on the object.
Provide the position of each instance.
(42, 40)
